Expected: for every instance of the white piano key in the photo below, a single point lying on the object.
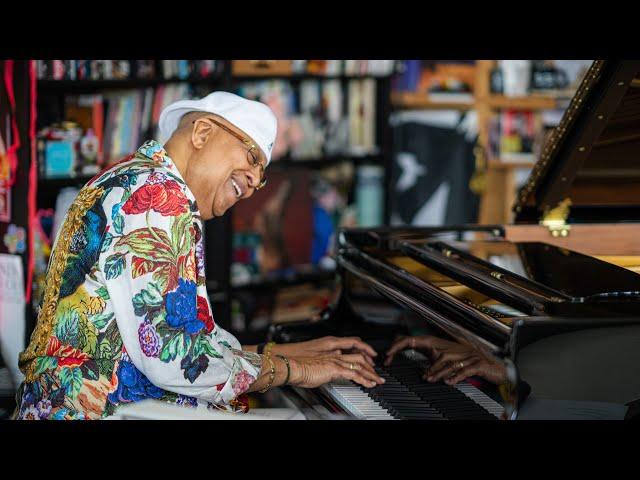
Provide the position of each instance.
(354, 400)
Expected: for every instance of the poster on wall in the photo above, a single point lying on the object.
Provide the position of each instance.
(12, 311)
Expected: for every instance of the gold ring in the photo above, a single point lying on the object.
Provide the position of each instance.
(351, 366)
(460, 365)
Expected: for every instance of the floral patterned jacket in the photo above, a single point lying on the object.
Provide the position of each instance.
(125, 314)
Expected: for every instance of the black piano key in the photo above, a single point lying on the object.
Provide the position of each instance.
(446, 399)
(406, 395)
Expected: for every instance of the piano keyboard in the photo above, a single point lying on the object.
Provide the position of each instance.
(405, 396)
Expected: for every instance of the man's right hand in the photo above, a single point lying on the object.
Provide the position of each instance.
(311, 372)
(452, 362)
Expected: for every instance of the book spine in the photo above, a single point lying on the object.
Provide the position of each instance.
(98, 126)
(369, 115)
(183, 69)
(58, 70)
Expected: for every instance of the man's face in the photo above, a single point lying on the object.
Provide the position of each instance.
(221, 171)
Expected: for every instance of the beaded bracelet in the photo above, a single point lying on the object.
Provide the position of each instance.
(286, 361)
(268, 347)
(272, 375)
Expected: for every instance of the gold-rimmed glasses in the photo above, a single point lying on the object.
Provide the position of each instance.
(253, 152)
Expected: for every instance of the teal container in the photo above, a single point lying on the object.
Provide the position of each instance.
(370, 196)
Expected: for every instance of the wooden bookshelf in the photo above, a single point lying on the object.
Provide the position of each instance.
(533, 102)
(507, 165)
(499, 193)
(411, 100)
(500, 176)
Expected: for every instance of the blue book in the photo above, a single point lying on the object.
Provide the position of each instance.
(183, 69)
(414, 69)
(60, 159)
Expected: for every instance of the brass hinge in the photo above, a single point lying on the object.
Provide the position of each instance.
(555, 219)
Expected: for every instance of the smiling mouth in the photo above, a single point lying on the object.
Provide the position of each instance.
(237, 187)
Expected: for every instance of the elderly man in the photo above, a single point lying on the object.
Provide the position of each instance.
(126, 316)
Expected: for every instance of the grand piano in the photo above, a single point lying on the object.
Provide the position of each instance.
(555, 296)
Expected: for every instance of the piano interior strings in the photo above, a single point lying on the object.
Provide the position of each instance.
(484, 303)
(539, 278)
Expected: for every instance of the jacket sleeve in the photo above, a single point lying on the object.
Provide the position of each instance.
(149, 266)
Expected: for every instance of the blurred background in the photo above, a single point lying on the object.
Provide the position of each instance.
(361, 143)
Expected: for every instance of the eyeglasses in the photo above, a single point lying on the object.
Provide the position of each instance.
(253, 153)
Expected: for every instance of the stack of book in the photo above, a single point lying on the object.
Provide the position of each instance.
(132, 117)
(513, 136)
(184, 69)
(441, 81)
(100, 129)
(321, 117)
(377, 68)
(124, 69)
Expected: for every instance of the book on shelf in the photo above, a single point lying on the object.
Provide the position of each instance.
(369, 67)
(88, 112)
(409, 77)
(362, 106)
(132, 117)
(514, 136)
(437, 78)
(312, 119)
(314, 67)
(450, 97)
(123, 69)
(106, 127)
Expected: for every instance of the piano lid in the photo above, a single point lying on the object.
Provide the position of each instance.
(591, 163)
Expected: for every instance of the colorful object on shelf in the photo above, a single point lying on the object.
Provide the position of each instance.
(60, 159)
(15, 239)
(89, 149)
(370, 196)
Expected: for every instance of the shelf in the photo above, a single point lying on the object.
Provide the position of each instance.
(72, 85)
(268, 282)
(412, 100)
(296, 77)
(530, 102)
(57, 183)
(326, 161)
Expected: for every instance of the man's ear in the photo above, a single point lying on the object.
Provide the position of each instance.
(201, 132)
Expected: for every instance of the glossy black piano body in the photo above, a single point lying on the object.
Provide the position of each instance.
(588, 361)
(556, 295)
